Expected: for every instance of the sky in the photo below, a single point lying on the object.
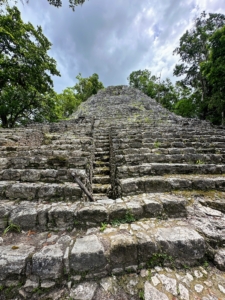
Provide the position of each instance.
(115, 38)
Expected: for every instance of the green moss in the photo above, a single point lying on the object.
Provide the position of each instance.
(57, 160)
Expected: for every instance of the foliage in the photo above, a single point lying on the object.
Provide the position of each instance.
(87, 86)
(56, 3)
(66, 103)
(12, 227)
(214, 71)
(25, 70)
(194, 51)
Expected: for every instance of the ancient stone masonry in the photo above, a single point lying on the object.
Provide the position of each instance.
(156, 228)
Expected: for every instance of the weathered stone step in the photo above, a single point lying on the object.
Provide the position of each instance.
(40, 162)
(149, 184)
(40, 191)
(101, 179)
(101, 171)
(135, 159)
(61, 215)
(44, 175)
(45, 153)
(159, 283)
(102, 157)
(100, 188)
(164, 168)
(98, 254)
(100, 163)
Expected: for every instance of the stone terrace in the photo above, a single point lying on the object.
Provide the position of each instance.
(156, 228)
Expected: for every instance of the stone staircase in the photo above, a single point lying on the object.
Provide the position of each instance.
(101, 171)
(156, 229)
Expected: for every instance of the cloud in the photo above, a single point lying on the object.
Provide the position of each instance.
(114, 38)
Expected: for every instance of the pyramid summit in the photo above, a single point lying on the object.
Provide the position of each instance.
(156, 226)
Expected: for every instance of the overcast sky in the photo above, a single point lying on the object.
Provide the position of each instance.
(114, 38)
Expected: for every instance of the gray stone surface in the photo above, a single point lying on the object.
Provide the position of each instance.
(185, 245)
(48, 263)
(13, 259)
(84, 291)
(87, 254)
(151, 293)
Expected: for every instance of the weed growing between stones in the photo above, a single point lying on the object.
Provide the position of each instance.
(200, 162)
(141, 295)
(12, 227)
(103, 226)
(160, 259)
(157, 144)
(129, 218)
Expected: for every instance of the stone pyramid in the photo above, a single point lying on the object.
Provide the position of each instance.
(156, 227)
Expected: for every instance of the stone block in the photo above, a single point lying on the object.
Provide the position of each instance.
(185, 245)
(13, 259)
(123, 251)
(48, 262)
(87, 255)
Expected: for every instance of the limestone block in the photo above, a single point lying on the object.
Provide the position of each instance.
(13, 259)
(185, 245)
(48, 191)
(219, 259)
(30, 175)
(174, 207)
(135, 208)
(84, 291)
(152, 207)
(93, 213)
(4, 214)
(145, 247)
(11, 174)
(117, 211)
(123, 251)
(87, 255)
(152, 293)
(24, 215)
(22, 191)
(42, 215)
(61, 216)
(48, 262)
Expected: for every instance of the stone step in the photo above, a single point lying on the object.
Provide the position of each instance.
(164, 168)
(102, 149)
(39, 191)
(100, 188)
(102, 157)
(159, 283)
(101, 171)
(40, 162)
(101, 179)
(67, 216)
(44, 175)
(149, 184)
(99, 253)
(188, 150)
(45, 153)
(100, 163)
(136, 159)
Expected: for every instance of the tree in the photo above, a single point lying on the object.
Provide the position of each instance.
(56, 3)
(87, 86)
(193, 50)
(66, 103)
(214, 71)
(25, 70)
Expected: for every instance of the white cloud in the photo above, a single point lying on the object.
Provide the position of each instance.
(114, 38)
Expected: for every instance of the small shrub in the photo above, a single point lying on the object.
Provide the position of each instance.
(12, 227)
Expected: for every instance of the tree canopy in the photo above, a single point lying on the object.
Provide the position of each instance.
(25, 71)
(56, 3)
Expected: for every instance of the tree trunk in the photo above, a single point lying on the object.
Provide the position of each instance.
(4, 121)
(81, 185)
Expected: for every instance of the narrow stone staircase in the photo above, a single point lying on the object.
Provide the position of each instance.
(101, 183)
